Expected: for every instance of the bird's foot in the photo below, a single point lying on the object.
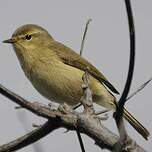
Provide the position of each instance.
(52, 106)
(64, 108)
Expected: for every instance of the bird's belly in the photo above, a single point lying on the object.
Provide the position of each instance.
(58, 83)
(63, 83)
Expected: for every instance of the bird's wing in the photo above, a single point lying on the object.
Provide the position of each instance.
(68, 56)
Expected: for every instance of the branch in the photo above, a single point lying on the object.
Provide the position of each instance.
(88, 124)
(24, 120)
(29, 138)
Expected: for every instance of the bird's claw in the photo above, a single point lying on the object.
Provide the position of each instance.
(64, 108)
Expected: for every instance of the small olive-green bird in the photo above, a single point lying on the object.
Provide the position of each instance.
(56, 71)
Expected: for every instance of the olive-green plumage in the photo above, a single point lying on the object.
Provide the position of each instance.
(56, 71)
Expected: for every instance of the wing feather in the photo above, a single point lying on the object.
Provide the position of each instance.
(68, 56)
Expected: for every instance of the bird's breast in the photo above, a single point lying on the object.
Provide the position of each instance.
(57, 81)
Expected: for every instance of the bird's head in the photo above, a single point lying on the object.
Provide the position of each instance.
(29, 37)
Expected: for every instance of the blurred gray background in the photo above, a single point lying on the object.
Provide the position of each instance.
(107, 47)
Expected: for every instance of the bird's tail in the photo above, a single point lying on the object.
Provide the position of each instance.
(136, 124)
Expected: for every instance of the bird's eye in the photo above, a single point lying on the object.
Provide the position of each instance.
(28, 37)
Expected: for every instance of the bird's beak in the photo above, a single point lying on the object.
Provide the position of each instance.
(12, 40)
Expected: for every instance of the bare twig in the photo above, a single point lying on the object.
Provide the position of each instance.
(132, 59)
(121, 103)
(29, 138)
(81, 50)
(84, 35)
(139, 89)
(80, 141)
(25, 122)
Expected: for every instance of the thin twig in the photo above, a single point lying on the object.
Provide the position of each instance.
(81, 50)
(84, 36)
(132, 59)
(77, 106)
(29, 138)
(121, 103)
(24, 120)
(139, 89)
(80, 141)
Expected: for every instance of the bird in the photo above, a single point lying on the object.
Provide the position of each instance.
(56, 71)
